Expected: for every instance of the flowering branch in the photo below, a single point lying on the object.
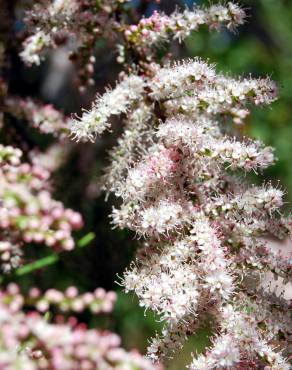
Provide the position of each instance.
(179, 190)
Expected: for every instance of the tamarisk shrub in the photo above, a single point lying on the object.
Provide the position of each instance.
(178, 174)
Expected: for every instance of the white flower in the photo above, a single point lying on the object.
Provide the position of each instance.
(34, 47)
(113, 102)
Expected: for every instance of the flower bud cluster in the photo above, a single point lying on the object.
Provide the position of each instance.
(29, 342)
(45, 118)
(9, 155)
(10, 255)
(71, 300)
(28, 211)
(160, 28)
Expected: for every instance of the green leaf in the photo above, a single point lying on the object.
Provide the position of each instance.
(41, 263)
(83, 242)
(52, 258)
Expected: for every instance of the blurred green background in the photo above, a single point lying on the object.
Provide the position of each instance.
(263, 46)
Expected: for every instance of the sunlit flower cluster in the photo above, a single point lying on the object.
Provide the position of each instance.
(114, 102)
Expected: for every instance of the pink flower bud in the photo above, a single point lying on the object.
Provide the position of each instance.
(71, 292)
(133, 28)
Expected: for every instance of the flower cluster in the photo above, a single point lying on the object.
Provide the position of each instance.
(76, 24)
(113, 102)
(37, 329)
(29, 214)
(44, 118)
(176, 169)
(233, 348)
(160, 28)
(29, 342)
(99, 301)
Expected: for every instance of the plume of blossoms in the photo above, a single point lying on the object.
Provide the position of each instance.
(136, 136)
(42, 117)
(160, 28)
(29, 342)
(29, 214)
(77, 24)
(176, 171)
(113, 102)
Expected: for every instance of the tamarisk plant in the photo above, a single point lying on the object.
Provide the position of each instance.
(176, 169)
